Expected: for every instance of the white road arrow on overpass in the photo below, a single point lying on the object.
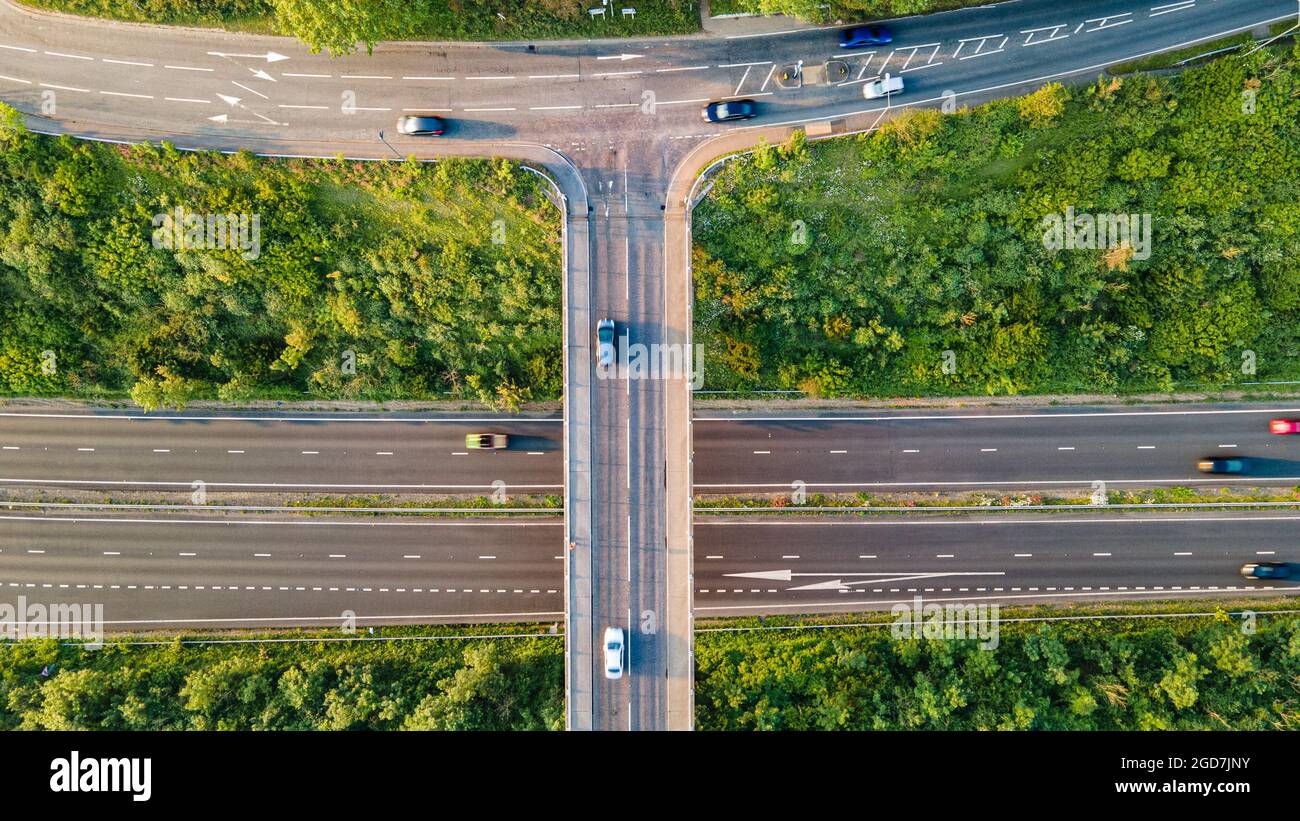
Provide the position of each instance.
(838, 582)
(270, 56)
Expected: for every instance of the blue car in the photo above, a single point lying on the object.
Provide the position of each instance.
(1266, 570)
(865, 36)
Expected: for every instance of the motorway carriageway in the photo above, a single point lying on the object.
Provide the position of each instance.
(1037, 449)
(153, 571)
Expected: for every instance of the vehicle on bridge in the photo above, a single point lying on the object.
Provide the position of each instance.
(414, 125)
(1284, 426)
(1223, 464)
(1267, 570)
(865, 36)
(605, 352)
(729, 110)
(613, 652)
(487, 441)
(883, 87)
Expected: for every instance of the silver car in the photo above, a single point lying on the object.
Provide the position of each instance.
(605, 343)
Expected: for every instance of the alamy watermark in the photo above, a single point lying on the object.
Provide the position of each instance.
(953, 621)
(1070, 231)
(181, 230)
(637, 361)
(58, 620)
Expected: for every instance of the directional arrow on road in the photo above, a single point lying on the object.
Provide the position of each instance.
(270, 56)
(234, 101)
(262, 75)
(622, 58)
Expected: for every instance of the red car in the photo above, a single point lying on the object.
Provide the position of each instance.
(1284, 426)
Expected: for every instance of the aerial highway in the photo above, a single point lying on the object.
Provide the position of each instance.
(617, 126)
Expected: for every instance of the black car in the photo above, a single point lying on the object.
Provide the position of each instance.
(865, 36)
(421, 126)
(729, 110)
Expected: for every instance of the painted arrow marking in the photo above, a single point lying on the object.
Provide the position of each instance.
(838, 583)
(262, 75)
(622, 58)
(233, 101)
(270, 56)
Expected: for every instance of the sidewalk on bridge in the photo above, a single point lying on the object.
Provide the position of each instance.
(748, 25)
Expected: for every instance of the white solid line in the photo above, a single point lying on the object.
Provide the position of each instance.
(383, 453)
(713, 557)
(65, 88)
(944, 556)
(186, 100)
(338, 555)
(124, 94)
(318, 107)
(19, 48)
(11, 447)
(364, 77)
(188, 68)
(1264, 552)
(15, 79)
(1101, 555)
(261, 555)
(911, 450)
(553, 107)
(683, 102)
(487, 557)
(683, 68)
(419, 77)
(1184, 553)
(112, 553)
(988, 450)
(1065, 448)
(1146, 447)
(127, 62)
(789, 557)
(234, 451)
(186, 554)
(762, 451)
(291, 74)
(310, 452)
(89, 450)
(1023, 555)
(743, 65)
(553, 76)
(161, 450)
(493, 77)
(1227, 446)
(410, 556)
(69, 56)
(618, 105)
(839, 451)
(615, 73)
(489, 109)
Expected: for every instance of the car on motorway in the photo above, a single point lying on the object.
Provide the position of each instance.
(729, 110)
(884, 86)
(865, 36)
(605, 343)
(1283, 426)
(1267, 570)
(613, 652)
(1223, 464)
(487, 441)
(421, 125)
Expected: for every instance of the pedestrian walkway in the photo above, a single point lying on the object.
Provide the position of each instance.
(749, 25)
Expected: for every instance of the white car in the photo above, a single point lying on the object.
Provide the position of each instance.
(879, 88)
(613, 652)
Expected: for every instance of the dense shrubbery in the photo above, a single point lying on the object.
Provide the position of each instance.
(927, 237)
(395, 262)
(488, 684)
(1102, 675)
(340, 25)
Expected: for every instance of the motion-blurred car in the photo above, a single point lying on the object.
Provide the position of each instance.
(605, 343)
(414, 125)
(613, 652)
(1223, 464)
(876, 89)
(865, 36)
(1267, 570)
(1284, 426)
(729, 110)
(486, 441)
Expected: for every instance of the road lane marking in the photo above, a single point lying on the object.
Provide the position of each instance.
(364, 77)
(492, 77)
(124, 94)
(1023, 555)
(188, 68)
(1101, 555)
(762, 451)
(988, 450)
(490, 109)
(162, 450)
(65, 88)
(319, 76)
(187, 100)
(420, 77)
(682, 68)
(127, 62)
(1065, 448)
(15, 79)
(383, 453)
(69, 56)
(19, 48)
(553, 107)
(839, 451)
(86, 450)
